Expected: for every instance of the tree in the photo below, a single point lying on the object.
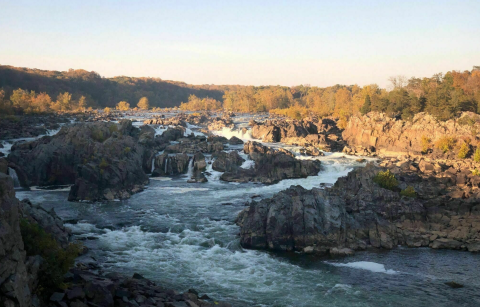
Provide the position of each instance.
(143, 103)
(367, 106)
(82, 104)
(107, 110)
(123, 106)
(63, 102)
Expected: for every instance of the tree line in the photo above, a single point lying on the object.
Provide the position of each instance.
(100, 92)
(442, 95)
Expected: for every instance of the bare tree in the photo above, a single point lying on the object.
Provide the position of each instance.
(398, 82)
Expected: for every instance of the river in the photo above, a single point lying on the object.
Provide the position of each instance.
(183, 235)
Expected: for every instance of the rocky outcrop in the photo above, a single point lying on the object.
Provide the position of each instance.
(309, 132)
(227, 162)
(270, 166)
(356, 213)
(101, 160)
(377, 133)
(47, 220)
(170, 165)
(14, 279)
(29, 126)
(86, 288)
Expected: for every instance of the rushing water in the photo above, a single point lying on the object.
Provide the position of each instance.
(183, 235)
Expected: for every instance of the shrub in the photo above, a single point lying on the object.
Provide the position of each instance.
(57, 261)
(126, 150)
(476, 172)
(386, 180)
(103, 164)
(113, 128)
(466, 120)
(445, 144)
(97, 135)
(476, 155)
(464, 151)
(425, 143)
(409, 192)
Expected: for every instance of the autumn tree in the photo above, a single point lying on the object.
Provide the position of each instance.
(123, 106)
(143, 103)
(82, 104)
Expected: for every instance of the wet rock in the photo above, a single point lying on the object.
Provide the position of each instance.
(91, 156)
(356, 213)
(271, 166)
(235, 141)
(454, 285)
(227, 162)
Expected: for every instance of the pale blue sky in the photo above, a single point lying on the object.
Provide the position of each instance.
(244, 42)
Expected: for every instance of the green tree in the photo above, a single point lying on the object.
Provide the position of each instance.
(367, 106)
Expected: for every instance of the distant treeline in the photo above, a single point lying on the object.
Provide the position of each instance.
(442, 95)
(102, 92)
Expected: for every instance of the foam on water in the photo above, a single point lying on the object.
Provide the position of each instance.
(365, 265)
(229, 133)
(178, 190)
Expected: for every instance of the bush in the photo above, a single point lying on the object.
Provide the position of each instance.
(464, 151)
(103, 164)
(97, 135)
(476, 155)
(113, 128)
(467, 120)
(476, 172)
(425, 143)
(57, 261)
(409, 192)
(386, 180)
(126, 150)
(445, 143)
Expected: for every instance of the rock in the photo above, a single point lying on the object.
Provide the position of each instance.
(446, 244)
(271, 166)
(14, 280)
(227, 162)
(356, 213)
(167, 165)
(92, 157)
(48, 220)
(454, 285)
(57, 296)
(3, 166)
(235, 141)
(75, 293)
(341, 252)
(392, 136)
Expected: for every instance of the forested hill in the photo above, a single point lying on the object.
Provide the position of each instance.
(103, 92)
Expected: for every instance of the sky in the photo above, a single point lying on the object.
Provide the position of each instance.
(262, 42)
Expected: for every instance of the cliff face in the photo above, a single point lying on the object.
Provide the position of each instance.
(376, 131)
(14, 289)
(356, 213)
(101, 160)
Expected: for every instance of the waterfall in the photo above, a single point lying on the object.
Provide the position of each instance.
(13, 174)
(153, 165)
(190, 169)
(166, 165)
